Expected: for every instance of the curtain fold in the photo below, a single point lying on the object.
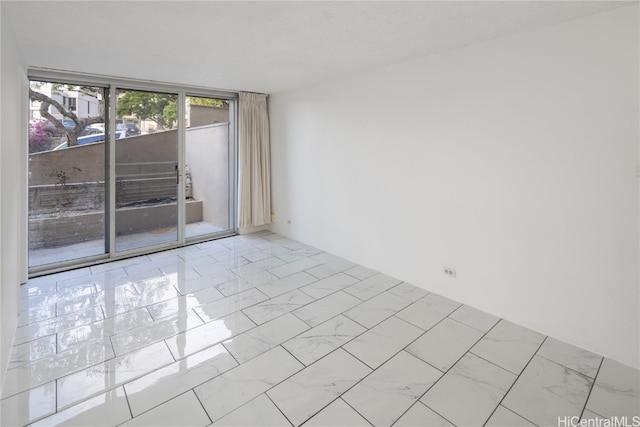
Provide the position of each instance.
(255, 161)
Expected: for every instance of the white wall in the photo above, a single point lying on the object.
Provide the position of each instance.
(13, 147)
(512, 161)
(207, 155)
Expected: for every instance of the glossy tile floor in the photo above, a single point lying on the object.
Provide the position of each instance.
(263, 330)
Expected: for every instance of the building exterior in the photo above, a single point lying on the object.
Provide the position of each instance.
(81, 104)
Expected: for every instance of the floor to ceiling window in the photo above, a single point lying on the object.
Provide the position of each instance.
(147, 171)
(119, 169)
(66, 172)
(208, 177)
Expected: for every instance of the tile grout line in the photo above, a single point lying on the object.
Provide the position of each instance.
(56, 379)
(274, 404)
(349, 405)
(264, 392)
(419, 399)
(126, 396)
(469, 351)
(593, 384)
(430, 408)
(311, 364)
(514, 383)
(571, 369)
(186, 391)
(192, 390)
(114, 386)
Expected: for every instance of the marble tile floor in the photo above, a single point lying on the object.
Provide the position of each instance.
(262, 330)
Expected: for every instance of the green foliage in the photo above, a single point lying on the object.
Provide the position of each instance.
(161, 108)
(207, 102)
(86, 90)
(145, 105)
(170, 114)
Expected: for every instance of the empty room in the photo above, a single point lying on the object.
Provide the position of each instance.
(334, 213)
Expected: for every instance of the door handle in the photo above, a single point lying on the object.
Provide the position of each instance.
(177, 175)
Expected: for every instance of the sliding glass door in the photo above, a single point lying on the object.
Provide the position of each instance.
(119, 169)
(66, 187)
(208, 169)
(147, 169)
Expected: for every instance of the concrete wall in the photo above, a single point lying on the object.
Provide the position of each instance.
(137, 219)
(163, 145)
(90, 158)
(202, 115)
(13, 146)
(47, 232)
(65, 230)
(513, 161)
(51, 199)
(78, 205)
(207, 157)
(83, 170)
(207, 154)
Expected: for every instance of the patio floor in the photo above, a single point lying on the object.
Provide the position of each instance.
(38, 257)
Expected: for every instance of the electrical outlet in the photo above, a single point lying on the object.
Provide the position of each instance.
(273, 217)
(449, 272)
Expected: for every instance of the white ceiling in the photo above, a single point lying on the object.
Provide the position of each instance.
(263, 46)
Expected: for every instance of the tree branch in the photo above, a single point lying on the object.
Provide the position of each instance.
(80, 124)
(37, 96)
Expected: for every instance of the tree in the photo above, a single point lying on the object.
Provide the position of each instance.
(72, 134)
(208, 102)
(145, 106)
(170, 114)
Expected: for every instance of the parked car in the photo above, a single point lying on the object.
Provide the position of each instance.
(91, 130)
(131, 129)
(91, 139)
(68, 123)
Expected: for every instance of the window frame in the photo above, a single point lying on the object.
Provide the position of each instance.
(110, 85)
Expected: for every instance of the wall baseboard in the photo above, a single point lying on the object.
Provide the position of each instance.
(249, 230)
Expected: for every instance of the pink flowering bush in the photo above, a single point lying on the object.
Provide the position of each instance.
(41, 133)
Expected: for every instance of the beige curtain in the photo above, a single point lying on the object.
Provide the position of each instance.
(255, 160)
